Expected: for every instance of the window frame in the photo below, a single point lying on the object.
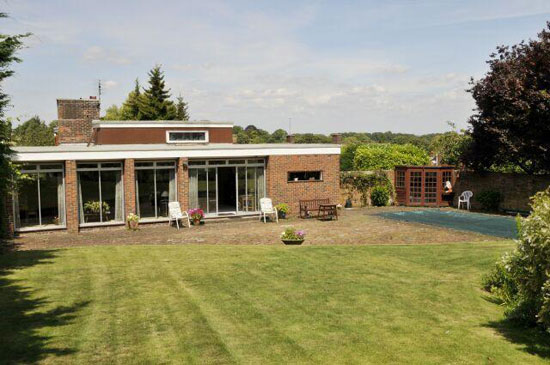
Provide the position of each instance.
(206, 136)
(288, 180)
(154, 167)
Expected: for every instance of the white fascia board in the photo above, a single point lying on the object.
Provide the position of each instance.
(120, 155)
(160, 125)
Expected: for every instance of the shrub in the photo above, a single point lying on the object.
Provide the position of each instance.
(522, 279)
(292, 234)
(379, 196)
(363, 182)
(283, 208)
(489, 200)
(385, 156)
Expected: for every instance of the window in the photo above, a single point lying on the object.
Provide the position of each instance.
(40, 196)
(400, 179)
(447, 176)
(186, 136)
(155, 188)
(100, 192)
(305, 176)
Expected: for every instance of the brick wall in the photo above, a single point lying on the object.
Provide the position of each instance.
(182, 180)
(71, 197)
(75, 119)
(129, 187)
(282, 191)
(516, 189)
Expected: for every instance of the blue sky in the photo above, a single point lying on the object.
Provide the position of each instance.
(329, 65)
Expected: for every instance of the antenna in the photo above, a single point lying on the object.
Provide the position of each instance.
(99, 89)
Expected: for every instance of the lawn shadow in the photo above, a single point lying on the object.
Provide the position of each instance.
(533, 340)
(22, 313)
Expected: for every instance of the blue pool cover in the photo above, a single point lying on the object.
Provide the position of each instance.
(492, 225)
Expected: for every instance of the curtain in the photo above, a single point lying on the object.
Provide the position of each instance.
(119, 199)
(17, 217)
(80, 202)
(172, 187)
(260, 184)
(60, 198)
(138, 211)
(193, 188)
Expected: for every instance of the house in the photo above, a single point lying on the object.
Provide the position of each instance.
(101, 171)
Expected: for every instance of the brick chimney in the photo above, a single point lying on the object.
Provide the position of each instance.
(336, 138)
(75, 119)
(290, 138)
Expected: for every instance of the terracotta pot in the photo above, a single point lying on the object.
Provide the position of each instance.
(196, 222)
(133, 225)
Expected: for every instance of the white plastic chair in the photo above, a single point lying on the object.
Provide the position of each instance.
(464, 198)
(266, 208)
(175, 213)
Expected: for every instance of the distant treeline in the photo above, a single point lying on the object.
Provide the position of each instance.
(252, 134)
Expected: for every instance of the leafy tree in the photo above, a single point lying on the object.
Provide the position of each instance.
(279, 136)
(181, 109)
(450, 146)
(113, 113)
(9, 45)
(34, 132)
(312, 138)
(155, 103)
(383, 156)
(347, 155)
(130, 108)
(510, 126)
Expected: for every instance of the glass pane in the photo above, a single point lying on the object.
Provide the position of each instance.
(202, 189)
(164, 191)
(111, 194)
(260, 185)
(145, 193)
(187, 136)
(89, 196)
(51, 197)
(193, 188)
(111, 165)
(241, 181)
(166, 163)
(28, 200)
(237, 162)
(56, 166)
(144, 164)
(197, 163)
(212, 208)
(251, 188)
(217, 162)
(86, 166)
(415, 187)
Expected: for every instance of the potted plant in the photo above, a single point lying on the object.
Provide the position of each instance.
(196, 215)
(92, 208)
(293, 237)
(282, 210)
(133, 221)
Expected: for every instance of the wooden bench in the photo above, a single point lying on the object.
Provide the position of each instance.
(310, 208)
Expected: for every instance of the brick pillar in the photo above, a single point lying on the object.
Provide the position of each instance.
(129, 187)
(71, 197)
(183, 183)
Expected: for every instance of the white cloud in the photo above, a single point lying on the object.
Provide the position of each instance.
(109, 84)
(97, 53)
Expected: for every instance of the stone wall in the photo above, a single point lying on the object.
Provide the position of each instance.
(516, 189)
(280, 190)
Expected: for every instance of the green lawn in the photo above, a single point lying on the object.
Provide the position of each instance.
(258, 304)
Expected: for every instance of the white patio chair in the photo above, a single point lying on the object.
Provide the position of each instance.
(175, 213)
(464, 198)
(266, 208)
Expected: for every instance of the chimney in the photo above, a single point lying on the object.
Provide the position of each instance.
(75, 119)
(336, 138)
(290, 138)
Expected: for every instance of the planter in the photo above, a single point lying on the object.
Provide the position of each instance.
(292, 242)
(281, 215)
(133, 225)
(196, 222)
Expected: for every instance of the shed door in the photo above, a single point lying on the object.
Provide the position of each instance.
(430, 187)
(416, 190)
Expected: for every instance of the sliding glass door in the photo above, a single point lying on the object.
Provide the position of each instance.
(40, 196)
(226, 186)
(100, 192)
(155, 188)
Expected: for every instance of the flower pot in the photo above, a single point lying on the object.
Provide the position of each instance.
(281, 215)
(292, 242)
(196, 222)
(133, 225)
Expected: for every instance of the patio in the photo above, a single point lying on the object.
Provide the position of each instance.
(355, 227)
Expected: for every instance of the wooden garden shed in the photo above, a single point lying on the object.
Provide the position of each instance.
(424, 185)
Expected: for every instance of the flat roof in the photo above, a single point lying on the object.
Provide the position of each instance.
(155, 151)
(158, 123)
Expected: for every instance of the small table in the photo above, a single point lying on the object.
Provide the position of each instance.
(328, 211)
